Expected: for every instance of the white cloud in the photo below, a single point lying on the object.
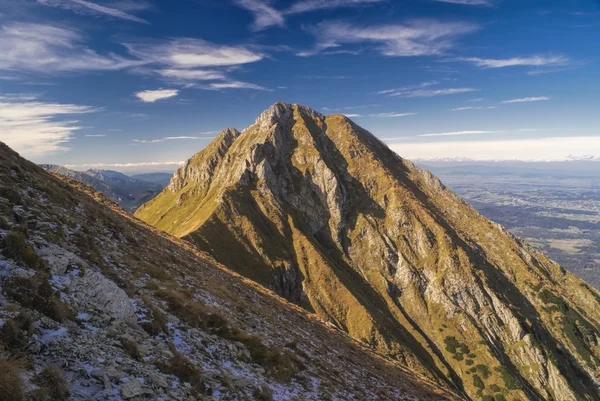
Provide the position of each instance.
(151, 96)
(415, 38)
(460, 133)
(265, 16)
(235, 85)
(83, 6)
(474, 108)
(547, 149)
(527, 99)
(49, 49)
(315, 5)
(95, 136)
(202, 135)
(353, 115)
(392, 115)
(193, 53)
(533, 61)
(192, 75)
(432, 92)
(130, 166)
(30, 127)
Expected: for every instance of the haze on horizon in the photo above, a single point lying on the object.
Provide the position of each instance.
(142, 85)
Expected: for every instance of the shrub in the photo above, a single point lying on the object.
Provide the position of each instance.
(263, 393)
(185, 370)
(509, 380)
(131, 347)
(477, 382)
(12, 337)
(158, 322)
(11, 381)
(4, 223)
(14, 245)
(31, 258)
(52, 385)
(36, 293)
(483, 370)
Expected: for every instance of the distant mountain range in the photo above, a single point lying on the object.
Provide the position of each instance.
(128, 192)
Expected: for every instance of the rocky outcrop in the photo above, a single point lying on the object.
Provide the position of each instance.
(321, 211)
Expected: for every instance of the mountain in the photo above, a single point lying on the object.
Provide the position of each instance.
(96, 305)
(162, 179)
(127, 191)
(326, 215)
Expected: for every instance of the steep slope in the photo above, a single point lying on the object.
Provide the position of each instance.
(127, 191)
(326, 215)
(97, 304)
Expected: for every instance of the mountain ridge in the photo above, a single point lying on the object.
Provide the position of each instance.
(321, 211)
(129, 192)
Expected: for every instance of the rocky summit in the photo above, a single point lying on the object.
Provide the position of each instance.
(327, 216)
(96, 305)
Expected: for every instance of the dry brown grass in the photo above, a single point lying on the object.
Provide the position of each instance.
(11, 381)
(178, 365)
(37, 294)
(52, 385)
(131, 347)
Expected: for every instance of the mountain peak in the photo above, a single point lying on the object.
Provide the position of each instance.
(282, 112)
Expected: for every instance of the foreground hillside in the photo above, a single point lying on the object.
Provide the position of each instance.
(326, 215)
(128, 192)
(97, 306)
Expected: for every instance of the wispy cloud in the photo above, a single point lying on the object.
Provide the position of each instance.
(128, 166)
(267, 16)
(474, 108)
(415, 38)
(95, 136)
(527, 99)
(151, 96)
(235, 85)
(433, 92)
(532, 61)
(192, 75)
(353, 115)
(31, 126)
(49, 49)
(85, 7)
(460, 133)
(192, 62)
(316, 5)
(392, 115)
(193, 53)
(204, 135)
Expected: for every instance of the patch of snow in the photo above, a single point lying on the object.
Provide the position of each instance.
(53, 335)
(83, 316)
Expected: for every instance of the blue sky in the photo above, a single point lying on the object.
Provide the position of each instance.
(143, 85)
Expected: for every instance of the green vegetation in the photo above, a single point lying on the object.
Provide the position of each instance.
(509, 380)
(477, 382)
